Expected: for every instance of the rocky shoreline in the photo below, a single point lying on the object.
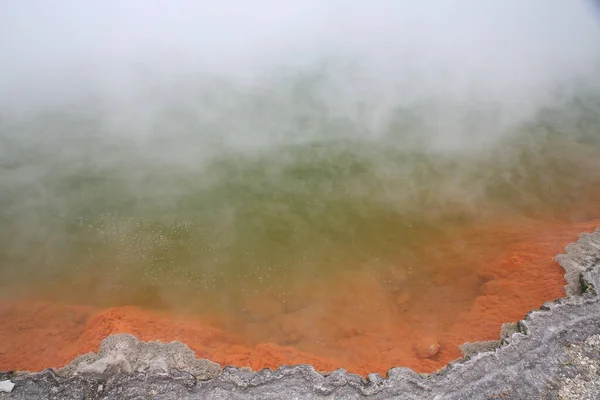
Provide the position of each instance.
(553, 353)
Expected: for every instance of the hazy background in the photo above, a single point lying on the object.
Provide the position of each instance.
(153, 151)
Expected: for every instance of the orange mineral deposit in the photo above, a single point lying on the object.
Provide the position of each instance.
(361, 329)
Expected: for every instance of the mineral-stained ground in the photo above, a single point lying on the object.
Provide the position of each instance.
(552, 353)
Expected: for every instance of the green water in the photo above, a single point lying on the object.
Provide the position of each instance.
(94, 215)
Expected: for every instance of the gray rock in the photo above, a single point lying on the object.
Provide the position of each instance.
(6, 386)
(470, 349)
(123, 353)
(554, 353)
(508, 329)
(582, 380)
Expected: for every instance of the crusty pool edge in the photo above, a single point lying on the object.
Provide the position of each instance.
(553, 353)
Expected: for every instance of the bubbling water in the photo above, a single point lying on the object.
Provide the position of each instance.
(319, 190)
(316, 244)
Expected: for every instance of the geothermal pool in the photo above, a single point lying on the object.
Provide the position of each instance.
(361, 254)
(355, 185)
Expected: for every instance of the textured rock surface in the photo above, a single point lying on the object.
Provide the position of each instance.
(553, 353)
(123, 353)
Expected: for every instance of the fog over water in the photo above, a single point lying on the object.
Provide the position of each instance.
(167, 154)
